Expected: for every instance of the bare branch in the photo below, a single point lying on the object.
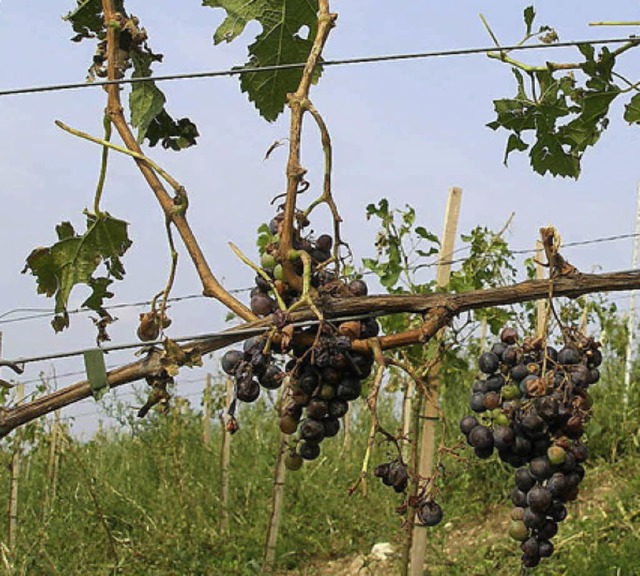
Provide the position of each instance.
(210, 283)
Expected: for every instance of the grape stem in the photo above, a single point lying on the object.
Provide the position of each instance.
(261, 272)
(375, 428)
(299, 103)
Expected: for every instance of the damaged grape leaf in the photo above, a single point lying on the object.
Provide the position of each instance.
(73, 260)
(280, 42)
(146, 100)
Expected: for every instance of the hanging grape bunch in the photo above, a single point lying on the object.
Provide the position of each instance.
(531, 404)
(324, 373)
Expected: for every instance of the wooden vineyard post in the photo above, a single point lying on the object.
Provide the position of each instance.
(206, 411)
(52, 465)
(429, 416)
(276, 505)
(407, 408)
(13, 482)
(225, 461)
(541, 305)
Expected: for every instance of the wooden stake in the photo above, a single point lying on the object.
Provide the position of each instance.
(346, 426)
(225, 460)
(13, 483)
(541, 305)
(277, 500)
(427, 456)
(407, 407)
(206, 412)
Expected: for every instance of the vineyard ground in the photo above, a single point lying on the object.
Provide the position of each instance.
(480, 544)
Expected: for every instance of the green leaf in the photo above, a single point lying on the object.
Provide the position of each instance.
(172, 134)
(548, 155)
(514, 143)
(278, 43)
(529, 16)
(424, 233)
(146, 100)
(86, 20)
(73, 260)
(632, 110)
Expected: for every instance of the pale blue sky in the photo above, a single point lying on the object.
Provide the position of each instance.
(406, 131)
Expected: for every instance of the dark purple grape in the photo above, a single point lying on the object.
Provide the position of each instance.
(398, 476)
(519, 498)
(262, 284)
(247, 389)
(530, 546)
(503, 437)
(324, 242)
(467, 424)
(488, 362)
(480, 386)
(540, 468)
(349, 388)
(532, 423)
(499, 349)
(230, 361)
(311, 430)
(539, 498)
(369, 328)
(533, 518)
(382, 470)
(495, 382)
(545, 548)
(271, 379)
(429, 513)
(557, 484)
(509, 336)
(331, 426)
(558, 511)
(524, 480)
(337, 408)
(568, 355)
(510, 356)
(483, 453)
(546, 407)
(309, 450)
(580, 452)
(317, 409)
(477, 402)
(519, 372)
(580, 375)
(549, 530)
(594, 358)
(262, 305)
(358, 288)
(481, 437)
(522, 446)
(530, 561)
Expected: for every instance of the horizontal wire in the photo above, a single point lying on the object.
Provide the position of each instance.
(237, 71)
(141, 345)
(433, 263)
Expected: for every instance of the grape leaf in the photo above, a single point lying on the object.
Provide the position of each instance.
(86, 20)
(632, 110)
(529, 16)
(279, 43)
(146, 100)
(74, 259)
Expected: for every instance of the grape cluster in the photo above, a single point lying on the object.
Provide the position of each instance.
(531, 405)
(324, 373)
